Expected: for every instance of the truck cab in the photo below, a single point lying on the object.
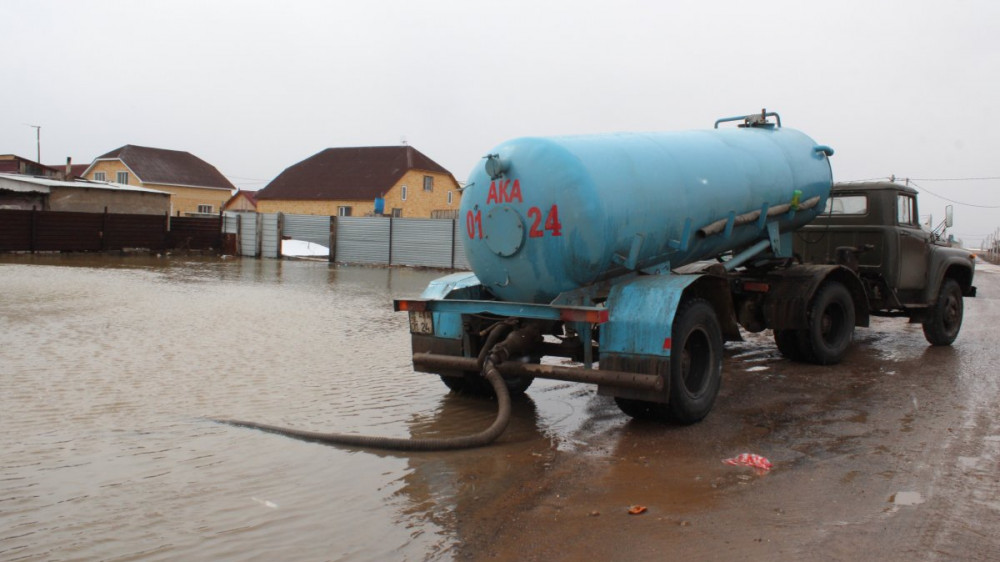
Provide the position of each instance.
(907, 270)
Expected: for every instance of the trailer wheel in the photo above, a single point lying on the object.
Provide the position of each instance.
(831, 325)
(473, 384)
(941, 328)
(695, 361)
(642, 409)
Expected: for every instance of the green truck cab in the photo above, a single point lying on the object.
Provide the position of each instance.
(906, 270)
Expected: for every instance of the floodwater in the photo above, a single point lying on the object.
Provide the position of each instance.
(111, 368)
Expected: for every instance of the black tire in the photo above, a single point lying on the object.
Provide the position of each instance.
(695, 361)
(642, 409)
(831, 325)
(473, 384)
(945, 320)
(788, 344)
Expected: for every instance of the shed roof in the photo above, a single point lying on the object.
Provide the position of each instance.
(356, 173)
(18, 182)
(168, 167)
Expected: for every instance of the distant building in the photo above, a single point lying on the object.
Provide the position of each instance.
(349, 181)
(22, 192)
(197, 188)
(243, 200)
(13, 164)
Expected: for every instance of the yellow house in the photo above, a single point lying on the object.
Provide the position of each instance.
(196, 187)
(397, 181)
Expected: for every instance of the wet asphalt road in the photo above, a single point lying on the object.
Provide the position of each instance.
(892, 455)
(109, 368)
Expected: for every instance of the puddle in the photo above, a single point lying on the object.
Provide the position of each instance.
(906, 498)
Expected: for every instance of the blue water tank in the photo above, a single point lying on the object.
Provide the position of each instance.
(548, 215)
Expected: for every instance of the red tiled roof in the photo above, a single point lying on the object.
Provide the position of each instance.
(169, 167)
(352, 174)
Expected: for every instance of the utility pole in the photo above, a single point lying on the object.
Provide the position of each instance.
(38, 141)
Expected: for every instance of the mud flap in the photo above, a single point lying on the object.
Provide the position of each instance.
(637, 336)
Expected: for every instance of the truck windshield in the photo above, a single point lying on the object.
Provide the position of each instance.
(847, 205)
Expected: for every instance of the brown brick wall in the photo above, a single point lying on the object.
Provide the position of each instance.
(183, 200)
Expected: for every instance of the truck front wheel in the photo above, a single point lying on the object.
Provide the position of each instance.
(831, 325)
(941, 328)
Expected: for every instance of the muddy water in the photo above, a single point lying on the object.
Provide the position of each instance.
(110, 367)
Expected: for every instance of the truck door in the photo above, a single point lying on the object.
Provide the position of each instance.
(913, 250)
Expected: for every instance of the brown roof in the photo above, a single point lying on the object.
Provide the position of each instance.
(250, 196)
(169, 167)
(352, 174)
(77, 170)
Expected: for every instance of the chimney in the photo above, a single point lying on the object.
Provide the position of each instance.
(69, 169)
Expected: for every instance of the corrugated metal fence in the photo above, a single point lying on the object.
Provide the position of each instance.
(361, 240)
(62, 231)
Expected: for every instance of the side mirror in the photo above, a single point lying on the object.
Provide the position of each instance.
(949, 219)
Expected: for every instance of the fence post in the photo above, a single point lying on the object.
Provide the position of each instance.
(390, 240)
(333, 239)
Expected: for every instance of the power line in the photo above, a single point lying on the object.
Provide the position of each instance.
(957, 179)
(952, 200)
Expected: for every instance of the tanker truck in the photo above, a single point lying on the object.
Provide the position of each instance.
(630, 259)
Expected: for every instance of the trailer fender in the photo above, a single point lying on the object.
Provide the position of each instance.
(462, 285)
(642, 312)
(792, 289)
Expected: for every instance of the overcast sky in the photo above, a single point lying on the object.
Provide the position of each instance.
(905, 88)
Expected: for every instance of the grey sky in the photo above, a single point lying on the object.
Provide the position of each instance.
(904, 88)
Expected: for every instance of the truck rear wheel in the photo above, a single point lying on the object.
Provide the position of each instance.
(695, 361)
(788, 344)
(941, 328)
(831, 325)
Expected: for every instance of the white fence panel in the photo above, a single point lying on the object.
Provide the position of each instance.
(270, 237)
(362, 240)
(310, 228)
(422, 242)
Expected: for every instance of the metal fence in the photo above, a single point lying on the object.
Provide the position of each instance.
(63, 231)
(358, 240)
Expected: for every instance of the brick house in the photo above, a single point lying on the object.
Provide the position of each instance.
(348, 181)
(196, 187)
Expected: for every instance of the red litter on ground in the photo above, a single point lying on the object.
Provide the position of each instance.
(757, 462)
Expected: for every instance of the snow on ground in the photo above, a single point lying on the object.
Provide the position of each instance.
(299, 248)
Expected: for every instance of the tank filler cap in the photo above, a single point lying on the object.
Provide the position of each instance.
(495, 166)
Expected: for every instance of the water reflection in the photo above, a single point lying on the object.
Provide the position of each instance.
(109, 367)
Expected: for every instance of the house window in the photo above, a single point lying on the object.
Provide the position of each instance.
(449, 197)
(343, 211)
(100, 176)
(428, 183)
(402, 194)
(205, 209)
(396, 213)
(122, 177)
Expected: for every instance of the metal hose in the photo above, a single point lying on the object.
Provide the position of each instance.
(480, 439)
